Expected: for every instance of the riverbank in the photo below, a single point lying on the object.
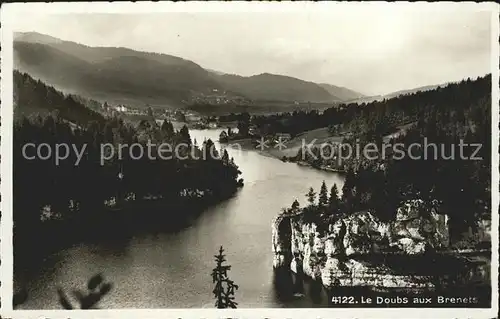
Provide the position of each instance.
(326, 168)
(146, 215)
(289, 150)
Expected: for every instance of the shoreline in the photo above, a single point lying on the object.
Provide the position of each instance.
(321, 168)
(247, 145)
(129, 218)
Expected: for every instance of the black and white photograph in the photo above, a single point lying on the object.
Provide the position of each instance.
(312, 159)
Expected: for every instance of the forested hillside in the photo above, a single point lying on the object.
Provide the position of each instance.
(90, 190)
(35, 97)
(452, 101)
(271, 87)
(145, 77)
(452, 181)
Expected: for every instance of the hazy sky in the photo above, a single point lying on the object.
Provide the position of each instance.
(373, 52)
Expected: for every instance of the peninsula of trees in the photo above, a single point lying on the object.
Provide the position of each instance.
(57, 201)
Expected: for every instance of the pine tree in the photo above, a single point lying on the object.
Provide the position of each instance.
(224, 287)
(311, 196)
(185, 137)
(243, 128)
(323, 196)
(150, 111)
(348, 190)
(209, 151)
(225, 157)
(168, 128)
(333, 201)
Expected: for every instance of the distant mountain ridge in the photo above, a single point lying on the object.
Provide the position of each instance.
(111, 72)
(129, 75)
(414, 90)
(274, 87)
(344, 94)
(368, 99)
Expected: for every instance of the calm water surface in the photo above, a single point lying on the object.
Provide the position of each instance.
(172, 270)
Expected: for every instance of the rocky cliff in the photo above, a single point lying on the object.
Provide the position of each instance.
(335, 256)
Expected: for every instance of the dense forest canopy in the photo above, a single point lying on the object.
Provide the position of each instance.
(33, 96)
(83, 188)
(452, 183)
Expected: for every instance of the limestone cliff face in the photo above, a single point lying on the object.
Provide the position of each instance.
(330, 256)
(281, 236)
(417, 228)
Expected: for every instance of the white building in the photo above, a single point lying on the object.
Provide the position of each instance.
(121, 108)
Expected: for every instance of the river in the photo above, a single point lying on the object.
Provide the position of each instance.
(172, 270)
